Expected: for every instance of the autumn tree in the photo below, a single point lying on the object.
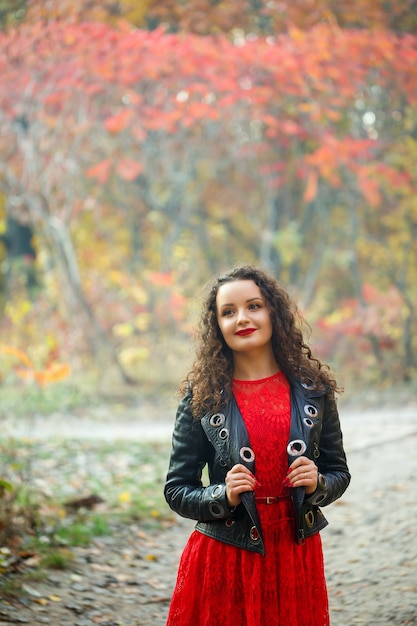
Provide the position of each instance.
(203, 17)
(149, 159)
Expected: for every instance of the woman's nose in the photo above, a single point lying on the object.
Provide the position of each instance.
(242, 316)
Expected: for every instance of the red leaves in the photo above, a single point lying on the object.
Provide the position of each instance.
(312, 186)
(379, 315)
(299, 88)
(369, 187)
(162, 279)
(101, 171)
(334, 155)
(129, 169)
(118, 122)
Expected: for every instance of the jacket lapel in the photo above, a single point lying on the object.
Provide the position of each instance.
(227, 432)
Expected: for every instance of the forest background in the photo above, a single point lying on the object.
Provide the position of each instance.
(146, 145)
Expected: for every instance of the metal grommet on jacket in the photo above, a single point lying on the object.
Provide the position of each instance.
(296, 447)
(216, 509)
(318, 499)
(247, 454)
(217, 491)
(254, 535)
(309, 518)
(310, 410)
(217, 420)
(223, 433)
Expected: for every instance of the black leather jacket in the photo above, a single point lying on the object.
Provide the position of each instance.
(217, 440)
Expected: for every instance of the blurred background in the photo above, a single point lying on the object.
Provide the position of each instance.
(145, 145)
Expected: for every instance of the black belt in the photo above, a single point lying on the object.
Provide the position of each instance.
(270, 499)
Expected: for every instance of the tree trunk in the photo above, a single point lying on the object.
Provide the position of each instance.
(60, 241)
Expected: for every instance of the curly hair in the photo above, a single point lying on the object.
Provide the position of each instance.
(210, 377)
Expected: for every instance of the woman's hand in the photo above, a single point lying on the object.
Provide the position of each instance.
(303, 472)
(238, 480)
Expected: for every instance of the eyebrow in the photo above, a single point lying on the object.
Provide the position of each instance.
(247, 301)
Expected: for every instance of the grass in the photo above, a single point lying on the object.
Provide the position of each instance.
(41, 480)
(44, 479)
(80, 532)
(10, 587)
(48, 479)
(120, 473)
(30, 400)
(59, 559)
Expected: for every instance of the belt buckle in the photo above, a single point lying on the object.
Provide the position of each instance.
(271, 499)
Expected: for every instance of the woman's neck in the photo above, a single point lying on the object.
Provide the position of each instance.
(253, 367)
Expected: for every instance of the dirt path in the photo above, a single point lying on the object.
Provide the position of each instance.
(370, 547)
(122, 580)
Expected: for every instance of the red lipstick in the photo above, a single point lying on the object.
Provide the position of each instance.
(245, 331)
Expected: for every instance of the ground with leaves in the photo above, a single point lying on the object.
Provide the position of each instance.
(125, 576)
(120, 580)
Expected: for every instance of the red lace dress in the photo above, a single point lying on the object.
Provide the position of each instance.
(221, 585)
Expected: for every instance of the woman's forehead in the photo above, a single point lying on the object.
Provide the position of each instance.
(237, 290)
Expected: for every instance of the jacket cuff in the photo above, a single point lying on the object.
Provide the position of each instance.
(320, 494)
(218, 505)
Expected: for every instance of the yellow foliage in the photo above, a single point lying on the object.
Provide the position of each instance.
(118, 278)
(122, 330)
(125, 497)
(142, 321)
(338, 316)
(139, 294)
(288, 243)
(135, 12)
(17, 311)
(373, 252)
(133, 355)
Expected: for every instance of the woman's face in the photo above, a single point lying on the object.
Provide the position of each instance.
(243, 316)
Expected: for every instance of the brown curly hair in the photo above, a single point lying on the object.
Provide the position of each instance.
(210, 377)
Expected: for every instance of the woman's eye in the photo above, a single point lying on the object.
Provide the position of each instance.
(253, 307)
(227, 312)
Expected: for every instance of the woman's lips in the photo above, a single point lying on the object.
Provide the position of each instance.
(246, 331)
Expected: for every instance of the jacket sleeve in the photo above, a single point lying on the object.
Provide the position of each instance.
(191, 451)
(332, 459)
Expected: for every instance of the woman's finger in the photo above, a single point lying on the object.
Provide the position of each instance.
(238, 480)
(303, 472)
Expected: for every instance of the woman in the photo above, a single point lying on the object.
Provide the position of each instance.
(259, 410)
